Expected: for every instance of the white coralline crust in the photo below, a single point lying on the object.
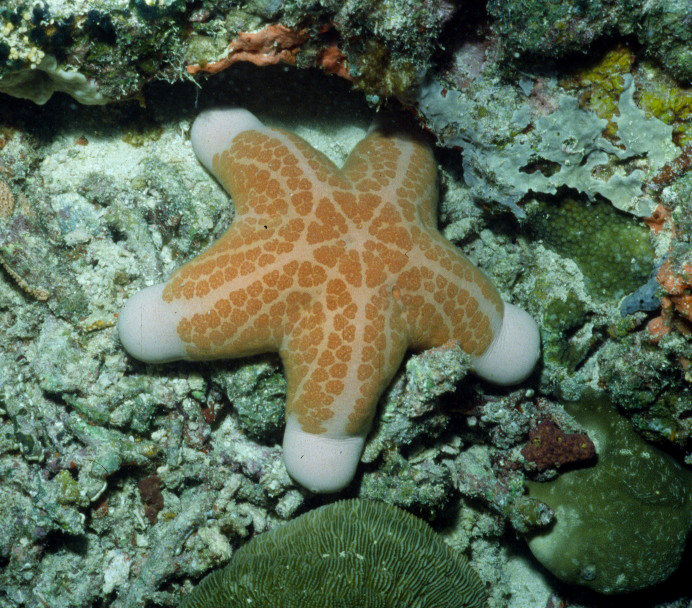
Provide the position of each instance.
(514, 351)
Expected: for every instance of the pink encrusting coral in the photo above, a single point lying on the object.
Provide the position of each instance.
(341, 271)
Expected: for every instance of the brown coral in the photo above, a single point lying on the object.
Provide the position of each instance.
(674, 275)
(150, 493)
(270, 45)
(274, 44)
(549, 446)
(678, 285)
(676, 306)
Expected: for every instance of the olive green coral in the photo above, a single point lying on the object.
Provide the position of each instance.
(622, 524)
(350, 554)
(612, 250)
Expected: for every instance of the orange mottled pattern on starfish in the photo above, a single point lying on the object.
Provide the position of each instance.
(340, 270)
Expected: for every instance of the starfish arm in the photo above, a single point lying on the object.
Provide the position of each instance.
(197, 316)
(232, 301)
(238, 295)
(401, 168)
(147, 327)
(447, 298)
(270, 173)
(336, 371)
(514, 351)
(320, 463)
(214, 131)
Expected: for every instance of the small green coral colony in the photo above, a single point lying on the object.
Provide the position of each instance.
(349, 554)
(621, 525)
(611, 248)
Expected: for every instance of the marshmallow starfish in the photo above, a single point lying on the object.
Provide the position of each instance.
(339, 270)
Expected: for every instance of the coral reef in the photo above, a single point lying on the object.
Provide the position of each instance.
(274, 44)
(39, 82)
(6, 200)
(678, 286)
(386, 47)
(350, 553)
(600, 83)
(122, 484)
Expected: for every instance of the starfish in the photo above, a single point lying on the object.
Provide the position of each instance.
(340, 271)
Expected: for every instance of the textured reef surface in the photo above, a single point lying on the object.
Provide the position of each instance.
(563, 135)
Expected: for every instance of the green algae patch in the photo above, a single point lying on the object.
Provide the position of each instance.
(68, 489)
(669, 102)
(622, 524)
(612, 249)
(350, 554)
